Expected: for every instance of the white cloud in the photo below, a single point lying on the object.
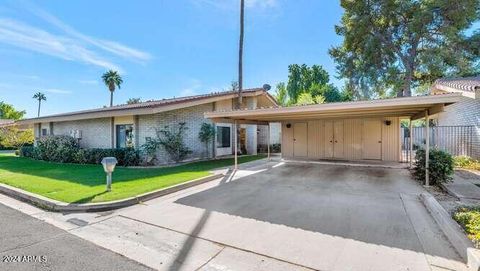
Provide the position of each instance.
(57, 91)
(107, 45)
(68, 44)
(34, 39)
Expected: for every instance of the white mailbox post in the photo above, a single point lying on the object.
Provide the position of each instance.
(109, 164)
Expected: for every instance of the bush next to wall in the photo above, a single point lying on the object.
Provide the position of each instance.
(440, 166)
(65, 149)
(60, 149)
(125, 156)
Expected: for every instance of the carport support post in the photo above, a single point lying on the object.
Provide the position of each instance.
(236, 147)
(427, 148)
(268, 141)
(410, 153)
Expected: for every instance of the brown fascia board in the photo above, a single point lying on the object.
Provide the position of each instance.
(141, 109)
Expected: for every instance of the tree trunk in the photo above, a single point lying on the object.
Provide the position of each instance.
(111, 98)
(39, 103)
(240, 54)
(407, 82)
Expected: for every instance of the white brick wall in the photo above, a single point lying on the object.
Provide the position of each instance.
(465, 112)
(96, 133)
(192, 116)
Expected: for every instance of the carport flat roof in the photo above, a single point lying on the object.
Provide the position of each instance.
(412, 107)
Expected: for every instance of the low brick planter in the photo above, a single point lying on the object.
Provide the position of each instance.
(59, 206)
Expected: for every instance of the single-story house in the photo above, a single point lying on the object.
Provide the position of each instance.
(131, 125)
(466, 112)
(359, 130)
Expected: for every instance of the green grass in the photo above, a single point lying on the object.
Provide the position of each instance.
(73, 183)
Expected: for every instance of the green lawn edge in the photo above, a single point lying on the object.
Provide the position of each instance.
(76, 183)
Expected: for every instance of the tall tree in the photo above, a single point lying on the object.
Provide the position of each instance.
(399, 45)
(39, 97)
(7, 111)
(281, 94)
(112, 79)
(313, 80)
(240, 53)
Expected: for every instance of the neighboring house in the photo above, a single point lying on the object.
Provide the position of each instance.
(132, 125)
(464, 113)
(6, 122)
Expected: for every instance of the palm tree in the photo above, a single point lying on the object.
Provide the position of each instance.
(40, 97)
(240, 54)
(112, 79)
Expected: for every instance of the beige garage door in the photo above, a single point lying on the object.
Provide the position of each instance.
(334, 139)
(300, 145)
(351, 139)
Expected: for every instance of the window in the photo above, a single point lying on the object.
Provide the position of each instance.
(125, 136)
(44, 132)
(223, 137)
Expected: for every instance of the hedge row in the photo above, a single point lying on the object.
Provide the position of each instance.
(65, 149)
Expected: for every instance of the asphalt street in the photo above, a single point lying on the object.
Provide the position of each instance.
(27, 243)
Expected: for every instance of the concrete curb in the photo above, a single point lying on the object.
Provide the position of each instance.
(59, 206)
(452, 231)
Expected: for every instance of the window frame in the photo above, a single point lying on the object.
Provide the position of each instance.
(224, 137)
(127, 128)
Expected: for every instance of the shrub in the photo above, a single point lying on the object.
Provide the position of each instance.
(62, 149)
(469, 219)
(276, 148)
(27, 151)
(440, 166)
(149, 150)
(125, 156)
(57, 148)
(466, 162)
(13, 138)
(172, 142)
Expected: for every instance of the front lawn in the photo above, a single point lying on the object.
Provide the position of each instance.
(74, 183)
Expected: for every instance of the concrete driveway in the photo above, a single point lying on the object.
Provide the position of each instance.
(283, 216)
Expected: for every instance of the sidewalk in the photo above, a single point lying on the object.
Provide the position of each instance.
(465, 185)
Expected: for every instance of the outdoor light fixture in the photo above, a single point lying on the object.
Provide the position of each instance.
(288, 125)
(109, 164)
(388, 122)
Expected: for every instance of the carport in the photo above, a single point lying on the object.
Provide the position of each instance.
(360, 130)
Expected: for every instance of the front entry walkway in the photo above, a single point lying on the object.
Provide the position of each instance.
(281, 216)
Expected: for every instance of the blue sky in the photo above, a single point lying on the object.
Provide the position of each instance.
(162, 48)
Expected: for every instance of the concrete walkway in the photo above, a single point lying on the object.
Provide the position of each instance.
(464, 185)
(276, 216)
